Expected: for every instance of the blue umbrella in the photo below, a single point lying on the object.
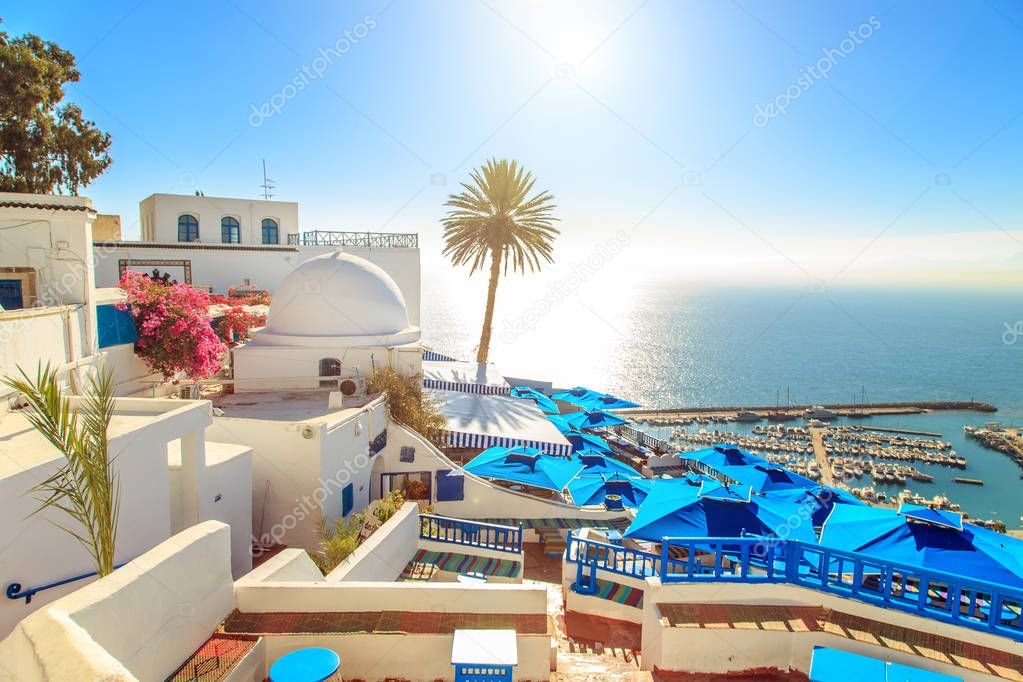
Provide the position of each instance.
(818, 500)
(596, 463)
(714, 510)
(560, 423)
(590, 490)
(725, 456)
(582, 441)
(917, 537)
(766, 477)
(528, 466)
(588, 399)
(541, 400)
(594, 420)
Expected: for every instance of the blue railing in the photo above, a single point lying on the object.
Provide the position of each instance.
(470, 533)
(945, 597)
(15, 590)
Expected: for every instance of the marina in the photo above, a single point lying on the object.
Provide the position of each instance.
(920, 459)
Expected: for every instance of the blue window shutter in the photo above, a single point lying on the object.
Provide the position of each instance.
(347, 499)
(450, 486)
(114, 326)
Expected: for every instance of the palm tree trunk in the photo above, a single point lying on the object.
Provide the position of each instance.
(488, 315)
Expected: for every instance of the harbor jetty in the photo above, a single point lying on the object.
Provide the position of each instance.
(996, 437)
(678, 415)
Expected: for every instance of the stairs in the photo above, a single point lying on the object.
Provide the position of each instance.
(553, 541)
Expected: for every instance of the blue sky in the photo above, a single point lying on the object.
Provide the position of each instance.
(904, 163)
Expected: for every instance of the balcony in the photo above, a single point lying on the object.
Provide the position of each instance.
(368, 240)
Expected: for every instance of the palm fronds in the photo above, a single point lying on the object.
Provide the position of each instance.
(496, 219)
(85, 488)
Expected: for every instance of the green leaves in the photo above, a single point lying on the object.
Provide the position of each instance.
(494, 216)
(44, 147)
(85, 488)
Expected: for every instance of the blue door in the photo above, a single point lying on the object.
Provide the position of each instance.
(10, 294)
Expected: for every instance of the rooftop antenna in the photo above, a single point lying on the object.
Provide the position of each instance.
(268, 184)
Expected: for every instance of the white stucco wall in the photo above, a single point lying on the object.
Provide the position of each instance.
(298, 367)
(716, 650)
(306, 475)
(36, 552)
(384, 555)
(139, 623)
(227, 496)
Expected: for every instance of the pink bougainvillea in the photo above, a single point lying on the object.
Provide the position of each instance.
(174, 333)
(235, 323)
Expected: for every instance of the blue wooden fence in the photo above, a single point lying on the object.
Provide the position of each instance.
(470, 533)
(945, 597)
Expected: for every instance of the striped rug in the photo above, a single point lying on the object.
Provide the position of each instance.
(622, 594)
(561, 524)
(460, 563)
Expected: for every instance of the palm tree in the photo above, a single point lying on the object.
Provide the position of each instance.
(85, 488)
(495, 217)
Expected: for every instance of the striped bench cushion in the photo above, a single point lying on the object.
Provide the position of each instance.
(459, 563)
(621, 594)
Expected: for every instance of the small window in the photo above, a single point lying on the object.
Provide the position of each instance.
(188, 228)
(347, 499)
(270, 231)
(230, 231)
(329, 367)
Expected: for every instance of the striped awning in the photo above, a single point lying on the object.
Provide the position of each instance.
(467, 377)
(483, 421)
(435, 356)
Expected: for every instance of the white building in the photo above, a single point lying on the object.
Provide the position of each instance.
(335, 315)
(187, 218)
(217, 243)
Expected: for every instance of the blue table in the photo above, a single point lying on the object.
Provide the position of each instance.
(314, 664)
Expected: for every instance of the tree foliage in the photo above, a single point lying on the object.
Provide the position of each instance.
(496, 219)
(85, 488)
(407, 402)
(45, 146)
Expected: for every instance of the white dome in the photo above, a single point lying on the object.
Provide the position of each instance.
(337, 299)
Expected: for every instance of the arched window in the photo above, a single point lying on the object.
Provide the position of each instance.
(329, 367)
(270, 231)
(188, 228)
(230, 231)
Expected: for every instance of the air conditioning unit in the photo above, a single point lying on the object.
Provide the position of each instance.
(352, 387)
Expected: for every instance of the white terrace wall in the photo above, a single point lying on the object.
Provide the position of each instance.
(37, 336)
(415, 657)
(36, 552)
(720, 650)
(139, 623)
(384, 555)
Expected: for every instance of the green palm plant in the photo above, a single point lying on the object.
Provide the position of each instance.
(495, 218)
(85, 488)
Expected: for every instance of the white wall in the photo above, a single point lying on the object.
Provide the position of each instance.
(384, 555)
(139, 623)
(306, 475)
(717, 650)
(227, 496)
(158, 217)
(277, 367)
(221, 267)
(36, 552)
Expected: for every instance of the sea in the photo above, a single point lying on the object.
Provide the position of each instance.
(678, 344)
